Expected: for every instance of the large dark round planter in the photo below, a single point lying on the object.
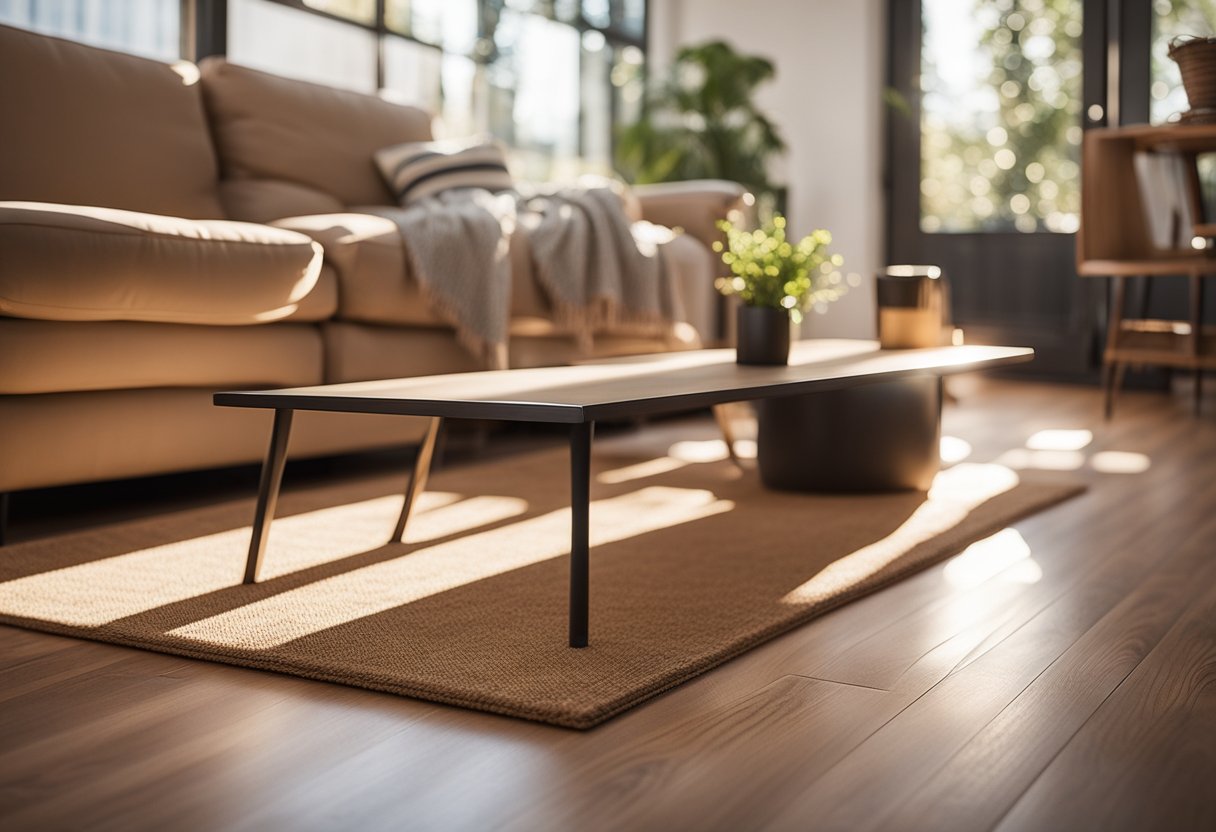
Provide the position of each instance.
(763, 335)
(883, 436)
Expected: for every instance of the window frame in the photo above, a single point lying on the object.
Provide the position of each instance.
(205, 33)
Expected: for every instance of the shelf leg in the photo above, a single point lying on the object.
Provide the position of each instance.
(1197, 338)
(1112, 371)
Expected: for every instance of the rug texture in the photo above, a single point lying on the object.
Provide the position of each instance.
(691, 564)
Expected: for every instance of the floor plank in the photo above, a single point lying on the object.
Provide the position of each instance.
(975, 787)
(22, 646)
(938, 723)
(1147, 758)
(729, 758)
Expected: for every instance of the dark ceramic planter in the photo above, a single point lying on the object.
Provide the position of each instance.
(763, 335)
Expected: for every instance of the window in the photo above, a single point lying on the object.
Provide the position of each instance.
(1001, 116)
(151, 28)
(413, 74)
(550, 78)
(534, 93)
(266, 35)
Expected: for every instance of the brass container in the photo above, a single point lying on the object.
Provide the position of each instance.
(913, 307)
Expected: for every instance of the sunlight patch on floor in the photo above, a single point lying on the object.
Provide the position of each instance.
(372, 589)
(956, 492)
(460, 517)
(705, 450)
(1120, 462)
(98, 592)
(1060, 440)
(1021, 458)
(953, 449)
(1064, 450)
(1005, 553)
(642, 470)
(679, 455)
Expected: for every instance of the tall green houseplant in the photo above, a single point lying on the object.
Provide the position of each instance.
(700, 122)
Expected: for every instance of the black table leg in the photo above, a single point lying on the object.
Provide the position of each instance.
(268, 492)
(580, 508)
(418, 476)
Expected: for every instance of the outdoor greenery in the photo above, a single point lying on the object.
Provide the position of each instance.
(1002, 113)
(1000, 148)
(700, 122)
(771, 271)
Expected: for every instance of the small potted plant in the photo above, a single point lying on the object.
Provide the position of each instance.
(777, 281)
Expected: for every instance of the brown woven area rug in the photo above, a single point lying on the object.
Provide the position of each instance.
(692, 563)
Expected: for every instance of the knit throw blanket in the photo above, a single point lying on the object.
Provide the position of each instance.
(596, 268)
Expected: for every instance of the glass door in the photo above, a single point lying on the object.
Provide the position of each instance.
(988, 103)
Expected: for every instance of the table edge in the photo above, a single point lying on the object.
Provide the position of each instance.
(557, 413)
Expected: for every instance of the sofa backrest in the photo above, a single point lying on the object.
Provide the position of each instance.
(296, 137)
(87, 126)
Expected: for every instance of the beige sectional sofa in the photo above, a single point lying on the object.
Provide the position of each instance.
(167, 231)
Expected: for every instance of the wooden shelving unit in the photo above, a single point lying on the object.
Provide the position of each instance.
(1114, 241)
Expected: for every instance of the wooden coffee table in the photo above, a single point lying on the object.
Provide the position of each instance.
(581, 395)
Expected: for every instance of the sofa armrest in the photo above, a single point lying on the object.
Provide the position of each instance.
(375, 284)
(77, 263)
(694, 206)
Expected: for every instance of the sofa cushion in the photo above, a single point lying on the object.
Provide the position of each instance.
(92, 127)
(695, 206)
(373, 278)
(69, 263)
(56, 356)
(322, 302)
(360, 352)
(267, 127)
(375, 286)
(416, 170)
(266, 200)
(368, 254)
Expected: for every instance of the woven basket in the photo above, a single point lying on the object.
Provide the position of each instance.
(1196, 59)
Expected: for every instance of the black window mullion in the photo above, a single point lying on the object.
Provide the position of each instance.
(902, 123)
(1095, 51)
(208, 22)
(1135, 59)
(381, 30)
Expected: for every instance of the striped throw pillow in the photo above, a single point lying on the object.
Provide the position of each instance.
(415, 170)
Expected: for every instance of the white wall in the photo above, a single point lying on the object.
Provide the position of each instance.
(826, 99)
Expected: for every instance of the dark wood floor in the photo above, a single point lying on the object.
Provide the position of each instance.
(1073, 689)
